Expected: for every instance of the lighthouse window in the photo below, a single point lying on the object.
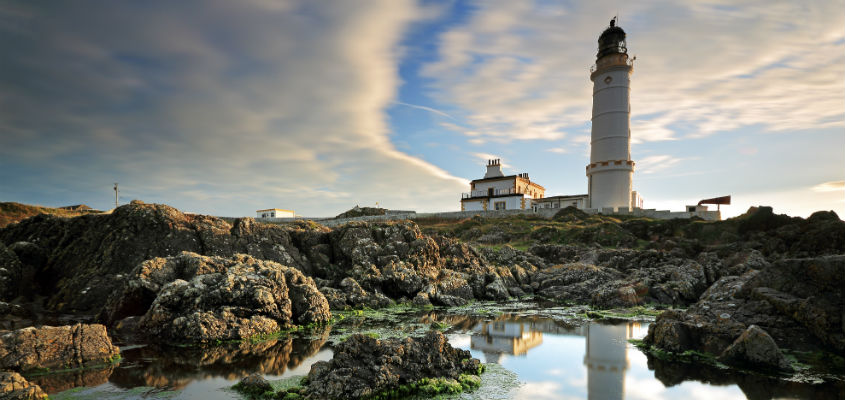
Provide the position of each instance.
(608, 80)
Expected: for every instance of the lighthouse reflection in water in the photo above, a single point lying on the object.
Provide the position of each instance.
(605, 349)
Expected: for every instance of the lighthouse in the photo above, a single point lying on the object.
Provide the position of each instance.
(611, 170)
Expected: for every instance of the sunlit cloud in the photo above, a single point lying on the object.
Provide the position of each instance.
(652, 164)
(519, 69)
(832, 186)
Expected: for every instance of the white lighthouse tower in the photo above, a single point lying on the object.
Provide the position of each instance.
(611, 170)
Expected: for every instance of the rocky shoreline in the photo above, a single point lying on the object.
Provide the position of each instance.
(755, 289)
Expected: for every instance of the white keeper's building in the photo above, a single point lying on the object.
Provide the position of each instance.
(499, 192)
(274, 213)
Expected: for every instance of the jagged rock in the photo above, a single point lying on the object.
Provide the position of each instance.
(798, 302)
(363, 366)
(72, 346)
(11, 272)
(622, 278)
(88, 255)
(15, 310)
(351, 295)
(15, 387)
(84, 260)
(755, 348)
(451, 289)
(191, 297)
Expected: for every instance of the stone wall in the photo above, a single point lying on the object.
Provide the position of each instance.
(542, 212)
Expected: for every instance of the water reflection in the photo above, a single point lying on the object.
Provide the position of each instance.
(57, 382)
(175, 368)
(497, 337)
(606, 352)
(207, 369)
(607, 358)
(555, 359)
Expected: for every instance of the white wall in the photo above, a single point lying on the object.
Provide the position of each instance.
(577, 202)
(511, 202)
(611, 188)
(496, 185)
(473, 205)
(274, 214)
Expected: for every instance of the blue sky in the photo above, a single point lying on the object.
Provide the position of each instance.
(226, 107)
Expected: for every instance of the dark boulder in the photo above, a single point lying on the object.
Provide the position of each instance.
(254, 386)
(798, 302)
(755, 348)
(11, 272)
(623, 278)
(363, 366)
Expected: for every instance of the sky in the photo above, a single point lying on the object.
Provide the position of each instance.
(224, 107)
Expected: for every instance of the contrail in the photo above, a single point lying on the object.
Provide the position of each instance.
(438, 112)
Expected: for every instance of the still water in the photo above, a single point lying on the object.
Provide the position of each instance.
(551, 358)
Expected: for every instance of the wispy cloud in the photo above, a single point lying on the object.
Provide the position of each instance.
(212, 106)
(429, 109)
(656, 163)
(832, 186)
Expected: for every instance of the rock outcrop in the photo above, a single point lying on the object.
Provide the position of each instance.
(193, 298)
(622, 278)
(87, 255)
(15, 387)
(798, 302)
(11, 272)
(375, 264)
(364, 366)
(83, 260)
(73, 346)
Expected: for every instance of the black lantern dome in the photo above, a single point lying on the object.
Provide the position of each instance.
(612, 41)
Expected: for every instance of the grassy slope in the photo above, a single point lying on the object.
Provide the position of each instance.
(13, 212)
(522, 231)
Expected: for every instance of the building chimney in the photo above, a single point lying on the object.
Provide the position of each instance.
(494, 169)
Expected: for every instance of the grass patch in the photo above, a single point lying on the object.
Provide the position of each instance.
(688, 357)
(427, 388)
(637, 312)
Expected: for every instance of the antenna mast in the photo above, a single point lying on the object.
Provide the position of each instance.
(115, 195)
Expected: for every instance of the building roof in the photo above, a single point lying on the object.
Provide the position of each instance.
(274, 209)
(503, 178)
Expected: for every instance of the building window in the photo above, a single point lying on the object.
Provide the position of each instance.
(499, 205)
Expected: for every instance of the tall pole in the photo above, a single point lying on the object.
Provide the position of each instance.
(115, 195)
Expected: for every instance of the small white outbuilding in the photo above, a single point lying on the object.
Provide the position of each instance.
(274, 213)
